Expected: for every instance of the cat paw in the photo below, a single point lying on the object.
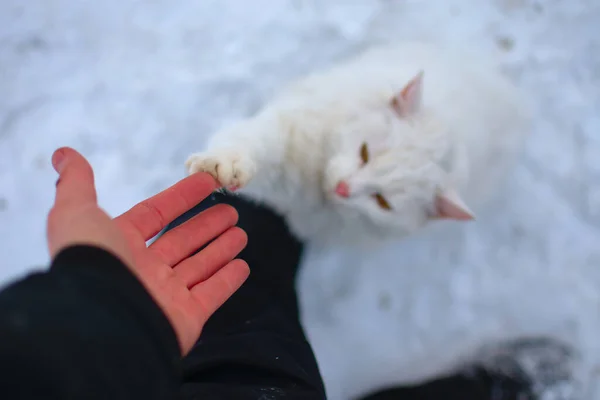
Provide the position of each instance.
(231, 169)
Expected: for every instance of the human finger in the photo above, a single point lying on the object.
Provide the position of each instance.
(203, 265)
(180, 242)
(75, 185)
(151, 215)
(213, 292)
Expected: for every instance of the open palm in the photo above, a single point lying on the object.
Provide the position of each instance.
(189, 289)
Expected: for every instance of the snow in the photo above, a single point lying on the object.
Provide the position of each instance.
(137, 85)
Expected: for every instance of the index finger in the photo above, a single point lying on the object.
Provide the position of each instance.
(151, 215)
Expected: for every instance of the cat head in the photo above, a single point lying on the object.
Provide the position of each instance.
(390, 166)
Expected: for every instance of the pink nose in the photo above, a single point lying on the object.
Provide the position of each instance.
(342, 189)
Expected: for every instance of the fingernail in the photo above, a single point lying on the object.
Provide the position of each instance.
(58, 160)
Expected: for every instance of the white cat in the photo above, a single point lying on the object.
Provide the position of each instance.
(369, 152)
(377, 146)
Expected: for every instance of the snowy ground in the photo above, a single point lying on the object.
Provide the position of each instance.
(136, 86)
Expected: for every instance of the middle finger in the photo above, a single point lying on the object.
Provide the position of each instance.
(180, 242)
(203, 265)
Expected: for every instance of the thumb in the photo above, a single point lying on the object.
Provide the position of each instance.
(75, 217)
(75, 185)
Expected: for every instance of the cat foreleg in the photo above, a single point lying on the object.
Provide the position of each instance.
(230, 167)
(235, 155)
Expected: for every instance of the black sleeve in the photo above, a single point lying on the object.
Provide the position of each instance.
(86, 329)
(254, 346)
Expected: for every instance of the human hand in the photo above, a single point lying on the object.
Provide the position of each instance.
(188, 289)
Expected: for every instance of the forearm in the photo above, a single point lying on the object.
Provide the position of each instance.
(254, 344)
(85, 329)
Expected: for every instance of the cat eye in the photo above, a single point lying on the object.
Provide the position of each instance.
(364, 153)
(381, 201)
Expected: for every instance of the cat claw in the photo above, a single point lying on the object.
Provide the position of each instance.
(231, 169)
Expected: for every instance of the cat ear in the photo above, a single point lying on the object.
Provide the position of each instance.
(449, 205)
(408, 101)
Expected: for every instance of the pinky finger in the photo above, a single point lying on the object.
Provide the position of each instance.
(213, 292)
